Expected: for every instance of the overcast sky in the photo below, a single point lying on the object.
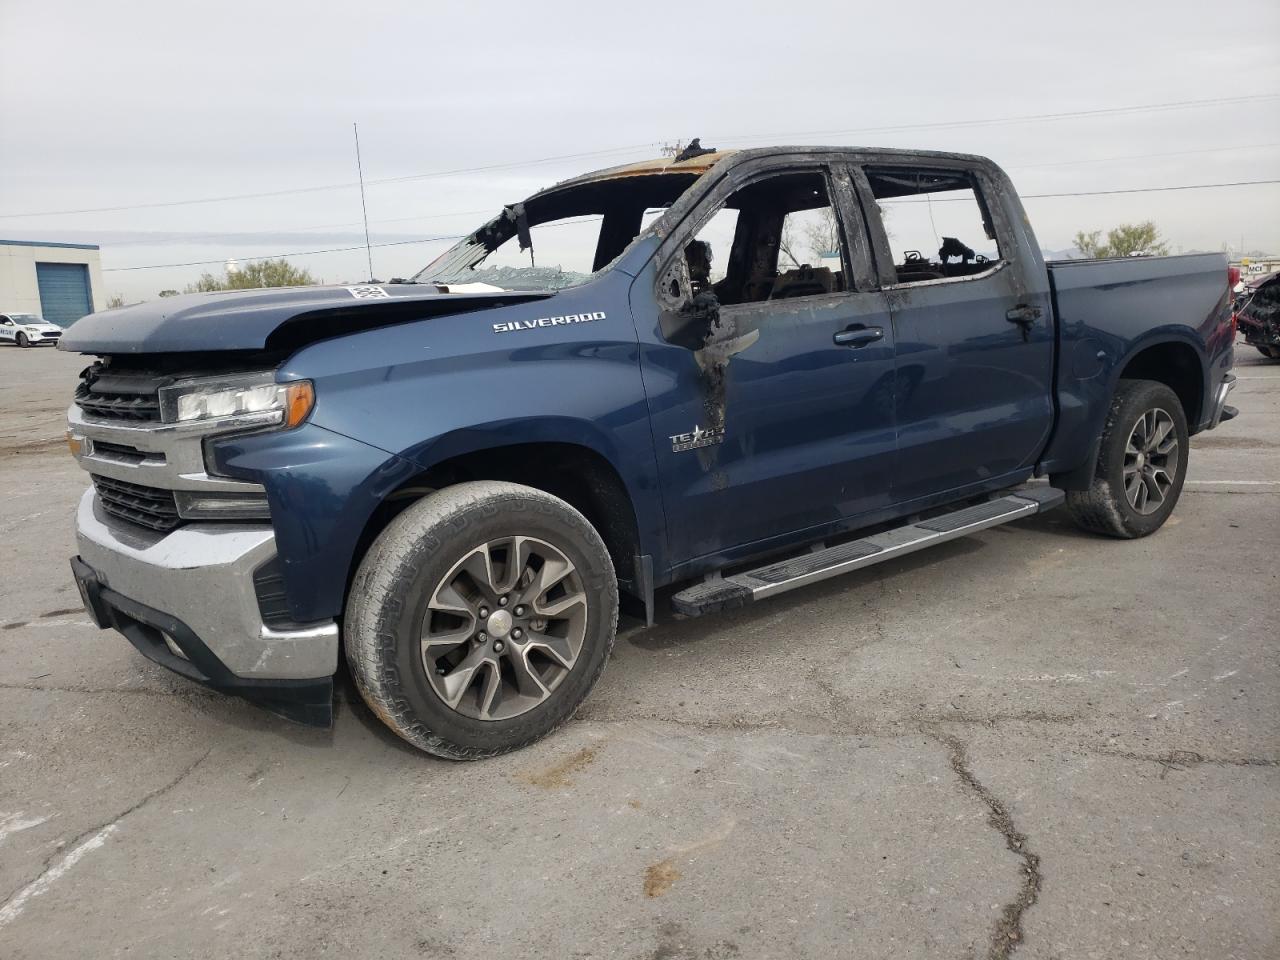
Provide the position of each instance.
(124, 104)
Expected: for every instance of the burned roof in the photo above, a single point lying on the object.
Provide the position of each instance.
(643, 168)
(698, 165)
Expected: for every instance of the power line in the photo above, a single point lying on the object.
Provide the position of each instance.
(331, 186)
(1092, 193)
(1027, 118)
(1021, 118)
(1107, 193)
(1140, 156)
(399, 243)
(275, 256)
(229, 236)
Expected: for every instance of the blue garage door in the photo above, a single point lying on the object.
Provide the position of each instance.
(64, 292)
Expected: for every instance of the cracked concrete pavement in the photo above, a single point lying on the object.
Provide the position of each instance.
(1029, 743)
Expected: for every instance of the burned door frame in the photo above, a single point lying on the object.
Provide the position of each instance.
(712, 471)
(859, 259)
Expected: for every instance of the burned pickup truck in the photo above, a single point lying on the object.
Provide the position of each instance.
(730, 374)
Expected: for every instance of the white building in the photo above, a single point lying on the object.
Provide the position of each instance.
(58, 281)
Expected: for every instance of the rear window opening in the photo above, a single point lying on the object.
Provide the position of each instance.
(937, 221)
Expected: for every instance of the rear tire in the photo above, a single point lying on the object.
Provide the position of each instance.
(22, 340)
(1271, 353)
(1141, 465)
(495, 596)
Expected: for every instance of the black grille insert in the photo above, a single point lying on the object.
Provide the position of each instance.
(123, 453)
(108, 396)
(146, 506)
(268, 584)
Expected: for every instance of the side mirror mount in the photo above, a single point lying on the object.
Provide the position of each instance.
(675, 286)
(692, 322)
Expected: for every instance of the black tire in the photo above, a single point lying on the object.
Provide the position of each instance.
(419, 551)
(22, 339)
(1271, 353)
(1105, 506)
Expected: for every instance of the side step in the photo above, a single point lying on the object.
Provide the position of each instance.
(740, 589)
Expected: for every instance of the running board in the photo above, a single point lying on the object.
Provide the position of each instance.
(740, 589)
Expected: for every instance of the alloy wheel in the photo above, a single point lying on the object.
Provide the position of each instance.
(504, 628)
(1150, 461)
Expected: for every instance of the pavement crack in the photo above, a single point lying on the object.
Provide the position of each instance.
(81, 843)
(1008, 932)
(1183, 759)
(838, 724)
(995, 719)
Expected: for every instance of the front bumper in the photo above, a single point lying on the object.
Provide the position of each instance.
(186, 600)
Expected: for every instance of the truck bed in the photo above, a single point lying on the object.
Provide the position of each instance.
(1104, 308)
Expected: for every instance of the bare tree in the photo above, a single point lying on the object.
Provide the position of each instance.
(811, 240)
(788, 249)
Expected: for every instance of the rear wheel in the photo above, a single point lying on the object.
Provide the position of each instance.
(1271, 353)
(480, 618)
(1141, 466)
(22, 339)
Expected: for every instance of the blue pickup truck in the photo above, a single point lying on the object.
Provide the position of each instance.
(731, 373)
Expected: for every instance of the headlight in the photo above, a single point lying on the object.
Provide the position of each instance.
(257, 401)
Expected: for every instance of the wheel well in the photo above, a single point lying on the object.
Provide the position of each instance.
(578, 475)
(1177, 366)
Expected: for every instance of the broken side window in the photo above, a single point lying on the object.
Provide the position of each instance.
(937, 222)
(776, 238)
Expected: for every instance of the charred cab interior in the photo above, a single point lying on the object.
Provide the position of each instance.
(919, 207)
(780, 239)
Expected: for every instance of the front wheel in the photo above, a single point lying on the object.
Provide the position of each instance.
(1141, 466)
(22, 340)
(480, 618)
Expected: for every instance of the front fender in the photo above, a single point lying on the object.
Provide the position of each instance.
(427, 392)
(322, 488)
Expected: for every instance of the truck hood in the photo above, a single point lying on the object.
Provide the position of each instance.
(274, 318)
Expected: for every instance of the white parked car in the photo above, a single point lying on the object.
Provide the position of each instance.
(26, 329)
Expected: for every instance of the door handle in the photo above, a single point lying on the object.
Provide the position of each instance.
(1024, 314)
(858, 336)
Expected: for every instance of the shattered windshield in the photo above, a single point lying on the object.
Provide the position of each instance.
(561, 238)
